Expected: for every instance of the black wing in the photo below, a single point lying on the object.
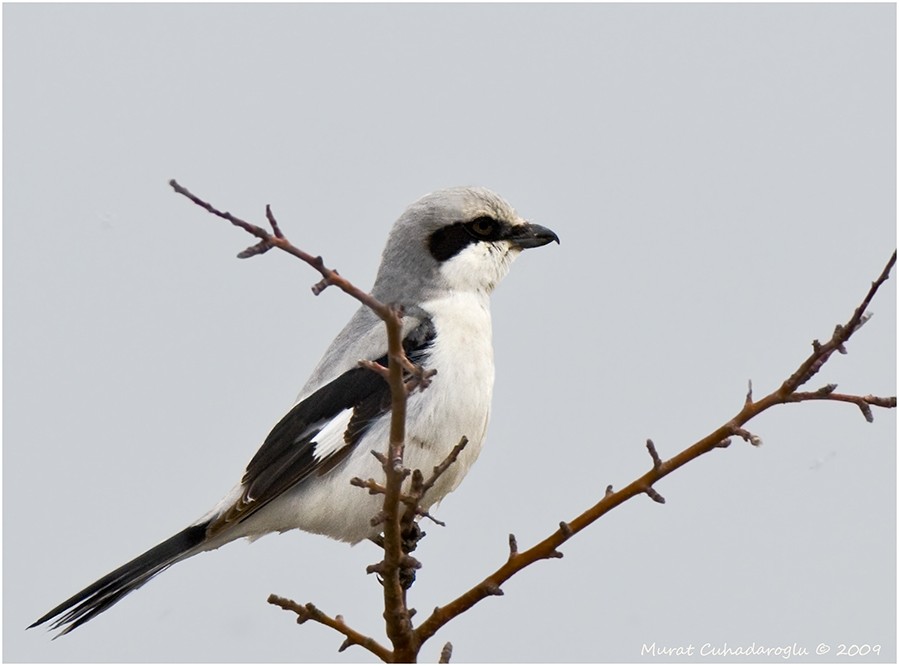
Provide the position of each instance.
(286, 457)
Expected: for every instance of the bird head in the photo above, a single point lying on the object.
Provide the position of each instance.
(457, 239)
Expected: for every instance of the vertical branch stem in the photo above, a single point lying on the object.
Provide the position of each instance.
(396, 614)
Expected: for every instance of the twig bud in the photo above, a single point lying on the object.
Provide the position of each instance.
(494, 590)
(656, 461)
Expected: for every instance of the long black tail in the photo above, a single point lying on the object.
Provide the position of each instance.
(96, 598)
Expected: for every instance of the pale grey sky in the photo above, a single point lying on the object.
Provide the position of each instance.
(723, 181)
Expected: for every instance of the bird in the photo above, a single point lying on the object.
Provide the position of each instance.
(442, 260)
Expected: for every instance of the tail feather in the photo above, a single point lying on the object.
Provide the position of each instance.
(107, 591)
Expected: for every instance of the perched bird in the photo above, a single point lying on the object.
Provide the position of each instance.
(442, 260)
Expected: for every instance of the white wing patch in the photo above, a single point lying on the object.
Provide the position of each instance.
(330, 439)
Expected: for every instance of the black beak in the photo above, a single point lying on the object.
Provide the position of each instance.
(532, 235)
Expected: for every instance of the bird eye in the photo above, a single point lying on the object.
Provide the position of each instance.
(483, 227)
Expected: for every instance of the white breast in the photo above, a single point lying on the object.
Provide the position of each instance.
(457, 403)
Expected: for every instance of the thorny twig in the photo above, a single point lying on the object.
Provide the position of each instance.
(277, 239)
(418, 488)
(353, 637)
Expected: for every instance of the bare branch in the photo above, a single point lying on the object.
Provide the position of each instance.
(445, 465)
(720, 437)
(279, 241)
(864, 403)
(310, 612)
(273, 222)
(373, 487)
(821, 353)
(375, 367)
